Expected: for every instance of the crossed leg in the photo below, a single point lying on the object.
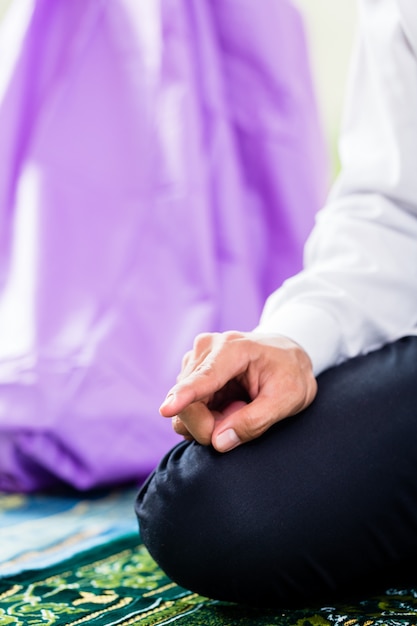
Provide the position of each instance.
(320, 508)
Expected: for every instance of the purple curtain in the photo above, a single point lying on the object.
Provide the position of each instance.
(161, 163)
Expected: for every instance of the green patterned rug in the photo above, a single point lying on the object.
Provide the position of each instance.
(119, 583)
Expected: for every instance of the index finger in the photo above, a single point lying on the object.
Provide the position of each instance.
(209, 377)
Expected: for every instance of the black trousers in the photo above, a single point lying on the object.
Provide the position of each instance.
(321, 508)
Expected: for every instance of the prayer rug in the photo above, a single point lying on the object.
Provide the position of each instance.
(38, 530)
(120, 584)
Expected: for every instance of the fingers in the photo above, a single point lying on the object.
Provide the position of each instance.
(201, 348)
(278, 399)
(271, 374)
(244, 424)
(215, 359)
(180, 428)
(207, 373)
(196, 422)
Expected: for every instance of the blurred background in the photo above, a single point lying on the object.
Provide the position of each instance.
(330, 28)
(162, 162)
(3, 6)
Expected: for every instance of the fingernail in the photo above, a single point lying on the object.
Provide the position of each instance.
(227, 440)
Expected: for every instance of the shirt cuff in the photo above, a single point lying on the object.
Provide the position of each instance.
(313, 329)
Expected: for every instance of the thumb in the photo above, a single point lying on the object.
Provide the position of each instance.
(241, 422)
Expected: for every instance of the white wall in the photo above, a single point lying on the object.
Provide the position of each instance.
(3, 6)
(330, 28)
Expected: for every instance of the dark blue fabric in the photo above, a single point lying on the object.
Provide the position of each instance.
(322, 507)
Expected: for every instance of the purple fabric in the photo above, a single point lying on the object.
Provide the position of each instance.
(161, 165)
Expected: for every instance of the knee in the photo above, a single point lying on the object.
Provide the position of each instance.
(208, 527)
(184, 519)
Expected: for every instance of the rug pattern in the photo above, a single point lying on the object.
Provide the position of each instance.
(120, 583)
(39, 530)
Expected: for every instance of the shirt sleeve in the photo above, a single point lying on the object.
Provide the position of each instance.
(358, 289)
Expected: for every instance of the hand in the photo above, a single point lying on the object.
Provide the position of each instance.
(233, 386)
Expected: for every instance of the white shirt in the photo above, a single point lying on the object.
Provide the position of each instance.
(358, 290)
